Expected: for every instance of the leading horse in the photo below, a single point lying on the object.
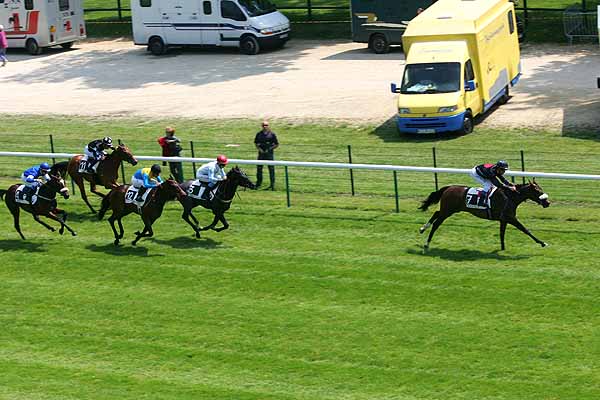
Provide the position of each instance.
(106, 175)
(150, 212)
(219, 204)
(452, 199)
(45, 205)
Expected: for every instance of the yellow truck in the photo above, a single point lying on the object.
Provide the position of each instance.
(461, 58)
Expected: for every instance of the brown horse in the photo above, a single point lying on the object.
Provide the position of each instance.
(106, 175)
(151, 211)
(45, 205)
(453, 199)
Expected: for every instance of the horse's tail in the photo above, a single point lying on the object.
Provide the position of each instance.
(433, 198)
(105, 205)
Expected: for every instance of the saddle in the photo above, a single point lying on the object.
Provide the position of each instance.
(131, 197)
(200, 191)
(25, 195)
(479, 199)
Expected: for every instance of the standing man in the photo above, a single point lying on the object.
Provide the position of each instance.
(171, 147)
(265, 142)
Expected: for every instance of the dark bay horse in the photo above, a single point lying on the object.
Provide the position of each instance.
(45, 205)
(219, 204)
(152, 210)
(452, 200)
(106, 175)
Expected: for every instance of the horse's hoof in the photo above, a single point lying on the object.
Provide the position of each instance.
(73, 233)
(544, 244)
(133, 243)
(421, 230)
(116, 242)
(136, 233)
(197, 235)
(61, 231)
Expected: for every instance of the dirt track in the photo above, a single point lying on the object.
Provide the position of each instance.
(307, 80)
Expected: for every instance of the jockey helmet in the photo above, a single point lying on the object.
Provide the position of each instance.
(502, 164)
(155, 169)
(45, 166)
(107, 140)
(221, 159)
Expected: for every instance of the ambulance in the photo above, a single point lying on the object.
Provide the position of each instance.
(462, 57)
(36, 24)
(250, 25)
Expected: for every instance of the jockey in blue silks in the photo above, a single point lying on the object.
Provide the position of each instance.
(33, 177)
(145, 178)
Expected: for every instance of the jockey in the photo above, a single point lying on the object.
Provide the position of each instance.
(491, 175)
(212, 173)
(94, 151)
(34, 176)
(145, 178)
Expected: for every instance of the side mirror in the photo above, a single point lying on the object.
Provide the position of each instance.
(394, 88)
(470, 86)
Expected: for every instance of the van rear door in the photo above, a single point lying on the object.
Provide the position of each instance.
(181, 22)
(66, 28)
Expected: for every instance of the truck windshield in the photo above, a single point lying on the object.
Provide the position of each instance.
(431, 78)
(254, 8)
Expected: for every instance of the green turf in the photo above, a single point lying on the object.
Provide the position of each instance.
(329, 299)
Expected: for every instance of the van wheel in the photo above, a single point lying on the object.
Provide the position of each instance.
(157, 46)
(33, 47)
(467, 126)
(504, 98)
(379, 44)
(249, 45)
(67, 45)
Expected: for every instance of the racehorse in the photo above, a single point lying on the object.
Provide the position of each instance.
(106, 175)
(219, 204)
(44, 206)
(452, 200)
(151, 211)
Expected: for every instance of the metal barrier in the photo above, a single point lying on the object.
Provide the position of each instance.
(580, 24)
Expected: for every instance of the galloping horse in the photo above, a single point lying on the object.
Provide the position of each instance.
(151, 211)
(452, 200)
(44, 206)
(107, 172)
(219, 204)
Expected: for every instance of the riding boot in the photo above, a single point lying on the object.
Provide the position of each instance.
(140, 195)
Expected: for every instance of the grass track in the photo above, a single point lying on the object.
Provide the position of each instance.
(330, 299)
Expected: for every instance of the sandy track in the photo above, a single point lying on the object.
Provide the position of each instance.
(305, 81)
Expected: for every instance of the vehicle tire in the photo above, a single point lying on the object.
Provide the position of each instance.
(467, 126)
(67, 46)
(157, 46)
(379, 44)
(249, 45)
(33, 47)
(505, 97)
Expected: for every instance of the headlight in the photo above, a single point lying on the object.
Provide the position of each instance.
(266, 31)
(447, 109)
(404, 111)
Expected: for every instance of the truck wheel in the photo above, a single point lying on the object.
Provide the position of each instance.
(157, 46)
(33, 47)
(67, 46)
(467, 126)
(379, 44)
(249, 45)
(504, 98)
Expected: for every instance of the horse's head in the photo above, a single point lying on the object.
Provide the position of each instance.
(58, 185)
(125, 154)
(240, 177)
(172, 188)
(533, 191)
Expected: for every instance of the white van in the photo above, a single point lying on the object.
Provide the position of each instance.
(35, 24)
(247, 24)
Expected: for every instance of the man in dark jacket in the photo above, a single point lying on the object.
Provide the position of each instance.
(266, 142)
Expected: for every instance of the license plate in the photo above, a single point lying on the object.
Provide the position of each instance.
(425, 130)
(283, 36)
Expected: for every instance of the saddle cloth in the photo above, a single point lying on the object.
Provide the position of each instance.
(199, 191)
(21, 196)
(131, 195)
(84, 167)
(476, 198)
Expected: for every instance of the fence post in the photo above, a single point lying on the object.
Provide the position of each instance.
(52, 148)
(120, 10)
(396, 190)
(351, 171)
(122, 168)
(193, 156)
(435, 166)
(309, 8)
(525, 14)
(523, 164)
(287, 187)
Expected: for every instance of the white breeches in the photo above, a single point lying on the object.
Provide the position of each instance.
(137, 183)
(486, 184)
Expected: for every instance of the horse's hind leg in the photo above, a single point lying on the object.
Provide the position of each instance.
(80, 184)
(428, 224)
(14, 209)
(436, 225)
(62, 222)
(39, 221)
(186, 217)
(111, 221)
(212, 224)
(224, 222)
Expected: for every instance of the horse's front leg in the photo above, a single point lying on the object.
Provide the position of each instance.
(39, 221)
(212, 224)
(111, 220)
(96, 192)
(147, 232)
(186, 217)
(80, 184)
(63, 216)
(502, 232)
(51, 215)
(224, 222)
(514, 222)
